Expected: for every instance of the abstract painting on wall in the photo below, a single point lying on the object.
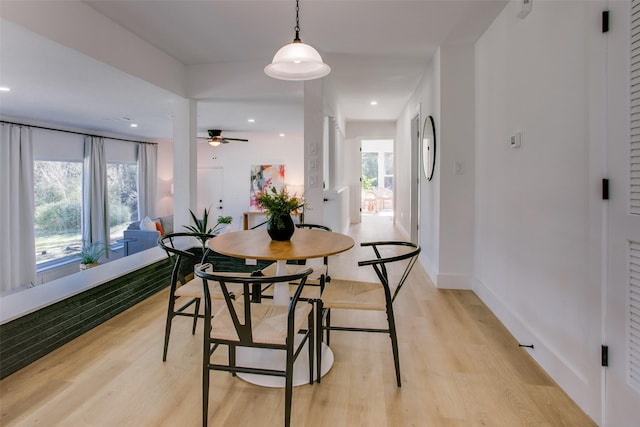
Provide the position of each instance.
(264, 176)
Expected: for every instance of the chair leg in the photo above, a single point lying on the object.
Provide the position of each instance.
(167, 329)
(394, 343)
(195, 316)
(319, 331)
(310, 343)
(328, 328)
(232, 359)
(288, 390)
(205, 384)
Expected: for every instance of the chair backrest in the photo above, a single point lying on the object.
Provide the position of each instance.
(379, 264)
(312, 226)
(171, 245)
(242, 320)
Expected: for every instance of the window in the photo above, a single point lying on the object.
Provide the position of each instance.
(58, 170)
(58, 207)
(123, 197)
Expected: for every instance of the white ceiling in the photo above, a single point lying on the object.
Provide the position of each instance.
(377, 50)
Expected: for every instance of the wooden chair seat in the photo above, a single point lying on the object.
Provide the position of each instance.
(313, 279)
(193, 289)
(352, 294)
(269, 322)
(310, 292)
(312, 288)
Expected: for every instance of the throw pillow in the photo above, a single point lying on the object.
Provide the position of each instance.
(159, 228)
(147, 224)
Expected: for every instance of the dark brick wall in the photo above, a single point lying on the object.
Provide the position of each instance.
(30, 337)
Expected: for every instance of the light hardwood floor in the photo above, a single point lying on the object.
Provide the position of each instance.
(460, 367)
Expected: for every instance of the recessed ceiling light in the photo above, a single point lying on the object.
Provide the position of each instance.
(4, 89)
(374, 102)
(282, 134)
(251, 120)
(133, 125)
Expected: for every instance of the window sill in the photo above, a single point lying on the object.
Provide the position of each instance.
(62, 262)
(18, 304)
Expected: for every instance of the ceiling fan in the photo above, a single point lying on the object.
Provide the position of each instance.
(215, 138)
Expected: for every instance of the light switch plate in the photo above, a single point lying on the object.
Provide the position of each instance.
(516, 140)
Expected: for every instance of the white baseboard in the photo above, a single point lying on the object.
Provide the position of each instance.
(585, 392)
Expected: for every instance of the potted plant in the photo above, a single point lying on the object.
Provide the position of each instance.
(90, 254)
(201, 225)
(278, 206)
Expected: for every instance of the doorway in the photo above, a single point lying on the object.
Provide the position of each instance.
(210, 191)
(377, 179)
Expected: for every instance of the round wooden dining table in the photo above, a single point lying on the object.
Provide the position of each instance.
(257, 244)
(304, 244)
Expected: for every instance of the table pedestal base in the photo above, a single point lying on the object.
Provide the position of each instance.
(275, 359)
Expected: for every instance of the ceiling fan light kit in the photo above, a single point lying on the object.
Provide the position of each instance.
(297, 60)
(215, 138)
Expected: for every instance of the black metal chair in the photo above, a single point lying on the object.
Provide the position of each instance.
(242, 323)
(357, 295)
(176, 245)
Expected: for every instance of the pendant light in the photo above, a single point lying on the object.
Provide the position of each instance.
(297, 60)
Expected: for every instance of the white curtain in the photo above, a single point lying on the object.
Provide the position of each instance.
(147, 179)
(95, 197)
(17, 245)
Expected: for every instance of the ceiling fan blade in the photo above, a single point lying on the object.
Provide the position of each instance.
(236, 139)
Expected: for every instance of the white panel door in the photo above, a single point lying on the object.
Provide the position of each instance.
(622, 318)
(210, 192)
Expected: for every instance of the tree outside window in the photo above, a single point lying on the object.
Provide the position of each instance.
(58, 208)
(123, 197)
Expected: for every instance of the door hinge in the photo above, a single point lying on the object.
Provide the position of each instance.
(605, 189)
(605, 355)
(605, 21)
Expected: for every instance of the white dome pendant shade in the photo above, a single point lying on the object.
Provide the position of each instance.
(297, 60)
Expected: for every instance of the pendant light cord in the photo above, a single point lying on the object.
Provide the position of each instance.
(297, 28)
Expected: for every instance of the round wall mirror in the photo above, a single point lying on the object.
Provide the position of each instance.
(429, 147)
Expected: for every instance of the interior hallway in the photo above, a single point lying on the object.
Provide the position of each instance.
(460, 367)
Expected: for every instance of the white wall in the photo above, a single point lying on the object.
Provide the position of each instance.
(236, 159)
(534, 263)
(457, 122)
(446, 228)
